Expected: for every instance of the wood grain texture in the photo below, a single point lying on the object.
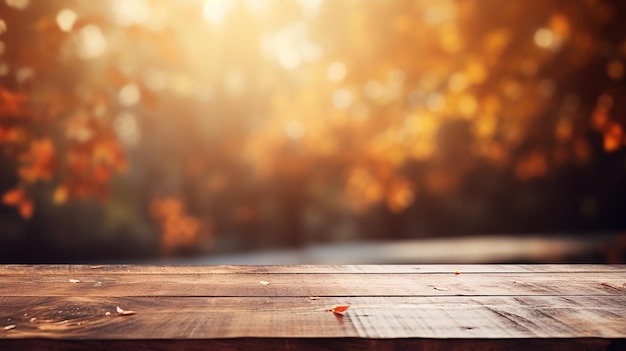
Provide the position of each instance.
(391, 307)
(306, 269)
(368, 317)
(313, 284)
(317, 344)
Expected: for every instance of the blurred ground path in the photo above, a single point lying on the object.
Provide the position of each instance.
(481, 249)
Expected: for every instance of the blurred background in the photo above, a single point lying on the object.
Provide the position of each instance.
(312, 131)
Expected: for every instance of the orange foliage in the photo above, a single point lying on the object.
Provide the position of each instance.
(11, 103)
(371, 100)
(178, 229)
(17, 198)
(39, 162)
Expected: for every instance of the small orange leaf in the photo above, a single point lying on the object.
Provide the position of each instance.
(457, 272)
(339, 309)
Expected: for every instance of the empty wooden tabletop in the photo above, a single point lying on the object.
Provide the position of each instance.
(462, 307)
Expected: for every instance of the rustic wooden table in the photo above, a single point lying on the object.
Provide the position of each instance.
(433, 307)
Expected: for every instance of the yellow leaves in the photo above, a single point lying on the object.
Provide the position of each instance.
(363, 188)
(400, 195)
(60, 195)
(497, 40)
(476, 72)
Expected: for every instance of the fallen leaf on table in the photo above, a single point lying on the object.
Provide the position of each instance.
(74, 281)
(338, 309)
(441, 288)
(107, 314)
(263, 282)
(457, 272)
(9, 327)
(124, 312)
(33, 319)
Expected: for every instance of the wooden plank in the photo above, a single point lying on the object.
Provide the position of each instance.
(303, 269)
(368, 317)
(312, 284)
(392, 307)
(316, 344)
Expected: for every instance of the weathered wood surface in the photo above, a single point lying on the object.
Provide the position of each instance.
(560, 307)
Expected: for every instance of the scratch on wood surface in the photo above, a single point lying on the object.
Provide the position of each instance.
(511, 318)
(614, 286)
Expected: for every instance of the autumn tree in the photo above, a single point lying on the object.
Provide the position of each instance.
(270, 114)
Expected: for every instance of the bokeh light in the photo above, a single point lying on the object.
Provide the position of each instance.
(236, 124)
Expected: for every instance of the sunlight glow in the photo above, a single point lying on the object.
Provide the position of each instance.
(126, 128)
(342, 98)
(128, 12)
(129, 95)
(214, 11)
(65, 19)
(336, 71)
(92, 42)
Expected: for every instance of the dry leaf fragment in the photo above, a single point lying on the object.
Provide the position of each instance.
(74, 281)
(96, 267)
(263, 282)
(33, 319)
(338, 309)
(9, 327)
(457, 272)
(122, 312)
(107, 314)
